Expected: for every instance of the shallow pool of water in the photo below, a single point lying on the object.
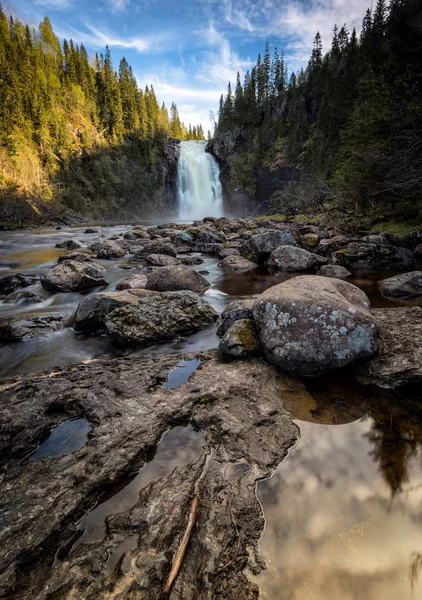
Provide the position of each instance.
(68, 437)
(343, 512)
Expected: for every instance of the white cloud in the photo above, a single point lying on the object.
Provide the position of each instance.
(56, 4)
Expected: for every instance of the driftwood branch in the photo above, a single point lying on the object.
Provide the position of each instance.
(178, 558)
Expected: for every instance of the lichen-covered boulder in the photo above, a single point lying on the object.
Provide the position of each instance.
(30, 325)
(235, 311)
(403, 285)
(259, 247)
(179, 277)
(92, 310)
(309, 325)
(160, 318)
(362, 255)
(236, 263)
(71, 276)
(294, 259)
(161, 260)
(241, 340)
(133, 282)
(336, 271)
(70, 244)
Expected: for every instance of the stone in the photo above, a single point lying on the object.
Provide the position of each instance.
(310, 240)
(92, 230)
(161, 260)
(176, 278)
(292, 258)
(236, 263)
(228, 252)
(71, 276)
(70, 244)
(241, 340)
(336, 271)
(213, 249)
(159, 247)
(259, 247)
(239, 309)
(360, 255)
(93, 309)
(182, 238)
(30, 325)
(411, 240)
(417, 252)
(24, 298)
(338, 242)
(160, 318)
(309, 325)
(401, 286)
(192, 260)
(134, 281)
(399, 360)
(136, 234)
(108, 250)
(238, 416)
(76, 256)
(210, 236)
(10, 283)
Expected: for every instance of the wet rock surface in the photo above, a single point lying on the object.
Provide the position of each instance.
(241, 340)
(361, 255)
(259, 247)
(239, 309)
(308, 325)
(334, 271)
(12, 282)
(160, 317)
(399, 359)
(236, 407)
(26, 326)
(92, 311)
(293, 259)
(237, 263)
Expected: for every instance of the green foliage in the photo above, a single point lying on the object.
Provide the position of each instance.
(81, 133)
(351, 122)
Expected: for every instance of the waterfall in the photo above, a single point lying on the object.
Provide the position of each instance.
(199, 189)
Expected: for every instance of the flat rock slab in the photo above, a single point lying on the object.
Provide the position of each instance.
(399, 359)
(237, 408)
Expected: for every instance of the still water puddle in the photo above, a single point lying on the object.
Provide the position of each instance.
(177, 448)
(68, 437)
(344, 510)
(181, 373)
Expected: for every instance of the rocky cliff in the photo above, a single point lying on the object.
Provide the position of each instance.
(249, 182)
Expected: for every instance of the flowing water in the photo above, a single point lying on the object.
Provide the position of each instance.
(343, 512)
(198, 183)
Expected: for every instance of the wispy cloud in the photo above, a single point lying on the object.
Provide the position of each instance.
(55, 4)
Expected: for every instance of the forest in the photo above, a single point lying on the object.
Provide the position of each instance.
(350, 124)
(76, 131)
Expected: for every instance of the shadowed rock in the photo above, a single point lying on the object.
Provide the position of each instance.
(259, 247)
(175, 278)
(241, 340)
(404, 285)
(293, 259)
(26, 326)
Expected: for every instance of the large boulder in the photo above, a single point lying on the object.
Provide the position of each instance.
(161, 260)
(401, 286)
(236, 263)
(228, 252)
(92, 310)
(259, 247)
(309, 325)
(70, 244)
(329, 245)
(361, 255)
(10, 283)
(108, 250)
(179, 277)
(26, 326)
(241, 340)
(399, 360)
(292, 258)
(71, 276)
(235, 311)
(411, 240)
(160, 318)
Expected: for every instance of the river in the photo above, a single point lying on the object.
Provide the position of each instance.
(343, 511)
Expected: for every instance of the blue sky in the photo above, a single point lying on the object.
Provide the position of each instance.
(189, 50)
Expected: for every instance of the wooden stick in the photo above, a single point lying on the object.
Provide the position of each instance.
(178, 558)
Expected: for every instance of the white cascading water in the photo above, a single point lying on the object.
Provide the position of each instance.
(199, 188)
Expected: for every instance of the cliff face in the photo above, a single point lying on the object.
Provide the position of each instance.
(168, 176)
(249, 183)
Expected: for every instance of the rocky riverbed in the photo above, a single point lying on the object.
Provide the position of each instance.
(118, 408)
